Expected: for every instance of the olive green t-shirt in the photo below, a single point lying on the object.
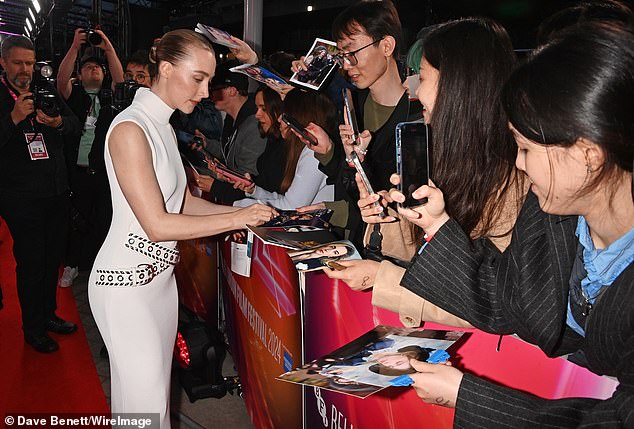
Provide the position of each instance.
(375, 115)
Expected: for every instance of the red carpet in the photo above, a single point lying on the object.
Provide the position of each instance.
(62, 382)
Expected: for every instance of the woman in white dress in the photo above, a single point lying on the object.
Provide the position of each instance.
(132, 288)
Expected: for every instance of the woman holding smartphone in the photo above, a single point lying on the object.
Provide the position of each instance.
(484, 194)
(302, 183)
(566, 282)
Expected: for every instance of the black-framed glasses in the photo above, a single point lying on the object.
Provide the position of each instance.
(139, 77)
(350, 58)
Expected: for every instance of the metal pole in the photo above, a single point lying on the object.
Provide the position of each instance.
(96, 10)
(253, 15)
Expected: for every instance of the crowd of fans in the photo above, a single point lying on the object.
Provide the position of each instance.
(528, 224)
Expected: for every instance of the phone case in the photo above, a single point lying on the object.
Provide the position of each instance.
(296, 126)
(236, 177)
(350, 114)
(357, 164)
(400, 159)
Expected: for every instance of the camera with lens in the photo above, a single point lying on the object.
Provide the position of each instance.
(43, 89)
(124, 94)
(92, 37)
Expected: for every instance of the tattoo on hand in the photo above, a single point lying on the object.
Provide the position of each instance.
(365, 280)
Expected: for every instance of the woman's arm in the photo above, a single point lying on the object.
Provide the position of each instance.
(132, 161)
(198, 206)
(412, 309)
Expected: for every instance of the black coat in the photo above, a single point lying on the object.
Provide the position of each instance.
(19, 175)
(525, 291)
(379, 162)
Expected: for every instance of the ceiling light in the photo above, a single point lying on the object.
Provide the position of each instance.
(32, 16)
(28, 24)
(26, 31)
(36, 5)
(309, 8)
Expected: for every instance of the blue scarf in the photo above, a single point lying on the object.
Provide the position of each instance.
(602, 266)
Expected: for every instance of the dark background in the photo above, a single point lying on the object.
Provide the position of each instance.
(287, 25)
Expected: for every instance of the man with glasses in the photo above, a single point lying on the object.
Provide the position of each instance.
(368, 36)
(137, 68)
(84, 96)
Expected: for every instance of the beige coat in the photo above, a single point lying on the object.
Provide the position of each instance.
(387, 292)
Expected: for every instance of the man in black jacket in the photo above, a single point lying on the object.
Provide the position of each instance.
(368, 36)
(33, 192)
(241, 144)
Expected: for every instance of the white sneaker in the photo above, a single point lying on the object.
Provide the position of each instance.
(70, 274)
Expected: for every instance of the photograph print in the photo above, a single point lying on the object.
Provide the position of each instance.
(324, 256)
(216, 35)
(373, 361)
(262, 75)
(320, 62)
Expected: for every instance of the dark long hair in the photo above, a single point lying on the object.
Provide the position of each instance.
(305, 107)
(273, 108)
(580, 85)
(614, 12)
(473, 154)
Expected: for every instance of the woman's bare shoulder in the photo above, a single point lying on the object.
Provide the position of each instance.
(127, 129)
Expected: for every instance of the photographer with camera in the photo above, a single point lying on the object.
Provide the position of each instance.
(33, 191)
(85, 96)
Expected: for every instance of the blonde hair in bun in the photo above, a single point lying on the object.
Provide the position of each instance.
(175, 46)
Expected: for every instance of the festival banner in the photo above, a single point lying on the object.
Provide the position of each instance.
(264, 324)
(335, 315)
(264, 317)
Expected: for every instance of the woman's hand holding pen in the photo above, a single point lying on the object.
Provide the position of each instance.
(256, 214)
(358, 274)
(367, 204)
(429, 216)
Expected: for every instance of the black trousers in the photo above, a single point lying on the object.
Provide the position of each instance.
(39, 230)
(90, 216)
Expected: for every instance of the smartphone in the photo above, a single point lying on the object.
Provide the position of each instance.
(299, 129)
(234, 176)
(348, 109)
(412, 159)
(364, 177)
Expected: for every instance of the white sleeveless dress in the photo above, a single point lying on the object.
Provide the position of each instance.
(132, 289)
